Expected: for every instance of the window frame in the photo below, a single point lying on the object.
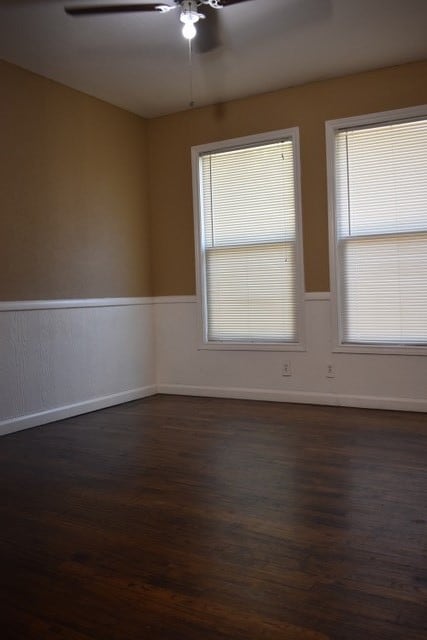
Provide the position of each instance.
(335, 266)
(201, 286)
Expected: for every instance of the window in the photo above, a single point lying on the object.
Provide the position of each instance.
(248, 230)
(378, 222)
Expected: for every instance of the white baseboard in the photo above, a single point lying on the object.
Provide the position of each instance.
(60, 413)
(337, 400)
(68, 411)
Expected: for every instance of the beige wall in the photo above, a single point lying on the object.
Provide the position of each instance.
(73, 194)
(308, 106)
(76, 174)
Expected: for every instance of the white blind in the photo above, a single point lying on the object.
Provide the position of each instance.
(381, 232)
(248, 243)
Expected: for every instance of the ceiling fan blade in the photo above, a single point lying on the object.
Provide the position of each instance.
(226, 3)
(115, 8)
(208, 31)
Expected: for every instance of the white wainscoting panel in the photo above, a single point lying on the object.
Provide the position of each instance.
(361, 380)
(59, 360)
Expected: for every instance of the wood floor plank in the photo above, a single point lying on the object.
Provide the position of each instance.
(179, 518)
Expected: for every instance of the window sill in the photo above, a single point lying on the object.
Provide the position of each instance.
(378, 349)
(246, 346)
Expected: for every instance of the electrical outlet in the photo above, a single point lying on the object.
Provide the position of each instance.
(286, 369)
(330, 371)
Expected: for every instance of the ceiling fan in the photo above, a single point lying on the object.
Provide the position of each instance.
(189, 11)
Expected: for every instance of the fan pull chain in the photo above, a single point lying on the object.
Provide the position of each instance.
(190, 68)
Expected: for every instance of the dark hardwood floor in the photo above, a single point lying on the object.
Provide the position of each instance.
(177, 518)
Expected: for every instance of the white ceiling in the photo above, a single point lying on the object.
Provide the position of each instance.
(140, 61)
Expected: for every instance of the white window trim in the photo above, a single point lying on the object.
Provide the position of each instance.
(331, 126)
(196, 151)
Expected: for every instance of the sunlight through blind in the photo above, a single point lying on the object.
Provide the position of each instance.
(381, 227)
(248, 243)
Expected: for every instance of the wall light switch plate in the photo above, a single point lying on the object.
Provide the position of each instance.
(286, 369)
(330, 371)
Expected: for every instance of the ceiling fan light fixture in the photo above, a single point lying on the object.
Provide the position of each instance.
(189, 30)
(189, 16)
